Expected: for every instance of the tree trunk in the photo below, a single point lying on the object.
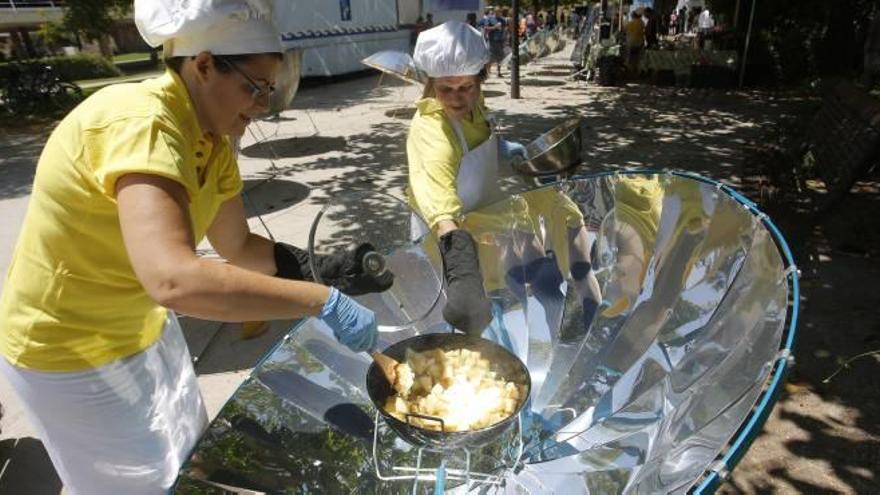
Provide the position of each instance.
(105, 46)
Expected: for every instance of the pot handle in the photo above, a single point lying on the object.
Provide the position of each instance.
(424, 416)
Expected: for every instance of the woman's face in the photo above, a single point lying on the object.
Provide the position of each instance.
(229, 95)
(458, 94)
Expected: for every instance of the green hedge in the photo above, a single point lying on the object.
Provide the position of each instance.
(74, 67)
(82, 66)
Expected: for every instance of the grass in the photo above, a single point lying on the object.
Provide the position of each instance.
(131, 57)
(95, 84)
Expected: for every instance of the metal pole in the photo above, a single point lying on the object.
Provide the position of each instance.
(736, 14)
(514, 45)
(742, 70)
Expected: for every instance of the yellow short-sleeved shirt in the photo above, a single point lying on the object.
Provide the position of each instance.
(434, 154)
(71, 299)
(635, 32)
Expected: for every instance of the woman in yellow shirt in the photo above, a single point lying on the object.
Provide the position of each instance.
(126, 187)
(455, 163)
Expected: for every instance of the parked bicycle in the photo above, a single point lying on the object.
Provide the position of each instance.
(32, 88)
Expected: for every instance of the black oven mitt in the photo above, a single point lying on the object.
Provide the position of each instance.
(467, 307)
(344, 270)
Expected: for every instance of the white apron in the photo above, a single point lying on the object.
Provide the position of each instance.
(123, 428)
(478, 174)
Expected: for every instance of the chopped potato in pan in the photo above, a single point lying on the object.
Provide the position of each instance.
(458, 386)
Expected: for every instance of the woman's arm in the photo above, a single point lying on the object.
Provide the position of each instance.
(231, 237)
(154, 218)
(445, 227)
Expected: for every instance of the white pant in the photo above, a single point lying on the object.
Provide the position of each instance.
(123, 428)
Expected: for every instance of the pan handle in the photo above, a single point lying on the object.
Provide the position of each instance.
(425, 416)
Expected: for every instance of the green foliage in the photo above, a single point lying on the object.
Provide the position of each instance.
(55, 35)
(805, 38)
(94, 18)
(81, 66)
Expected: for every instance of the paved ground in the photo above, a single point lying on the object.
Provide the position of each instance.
(348, 133)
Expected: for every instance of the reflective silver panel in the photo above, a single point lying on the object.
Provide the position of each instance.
(642, 368)
(398, 64)
(287, 83)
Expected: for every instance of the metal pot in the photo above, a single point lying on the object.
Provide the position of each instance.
(510, 368)
(553, 152)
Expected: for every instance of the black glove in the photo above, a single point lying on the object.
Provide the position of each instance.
(345, 271)
(467, 307)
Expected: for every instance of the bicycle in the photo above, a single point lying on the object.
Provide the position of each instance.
(34, 88)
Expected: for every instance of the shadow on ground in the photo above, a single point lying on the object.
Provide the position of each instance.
(234, 351)
(825, 437)
(25, 468)
(262, 196)
(18, 161)
(294, 147)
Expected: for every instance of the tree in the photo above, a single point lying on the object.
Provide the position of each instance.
(55, 35)
(94, 19)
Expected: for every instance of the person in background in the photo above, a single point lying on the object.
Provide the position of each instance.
(681, 20)
(705, 26)
(471, 20)
(429, 20)
(635, 43)
(705, 22)
(551, 20)
(508, 23)
(128, 184)
(418, 28)
(575, 21)
(493, 29)
(650, 29)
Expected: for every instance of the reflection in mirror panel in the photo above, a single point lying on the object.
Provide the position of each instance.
(648, 308)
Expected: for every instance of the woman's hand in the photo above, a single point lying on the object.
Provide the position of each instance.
(353, 325)
(511, 151)
(467, 307)
(344, 270)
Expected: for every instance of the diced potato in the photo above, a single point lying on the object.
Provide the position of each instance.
(425, 382)
(417, 361)
(475, 374)
(459, 386)
(437, 389)
(511, 390)
(436, 371)
(405, 378)
(400, 405)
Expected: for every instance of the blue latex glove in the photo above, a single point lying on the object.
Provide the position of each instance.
(511, 150)
(353, 325)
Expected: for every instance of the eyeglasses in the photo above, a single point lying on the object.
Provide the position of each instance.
(257, 91)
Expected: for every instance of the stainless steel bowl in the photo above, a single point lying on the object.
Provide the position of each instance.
(554, 152)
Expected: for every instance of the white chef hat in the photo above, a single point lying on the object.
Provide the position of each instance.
(222, 27)
(451, 49)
